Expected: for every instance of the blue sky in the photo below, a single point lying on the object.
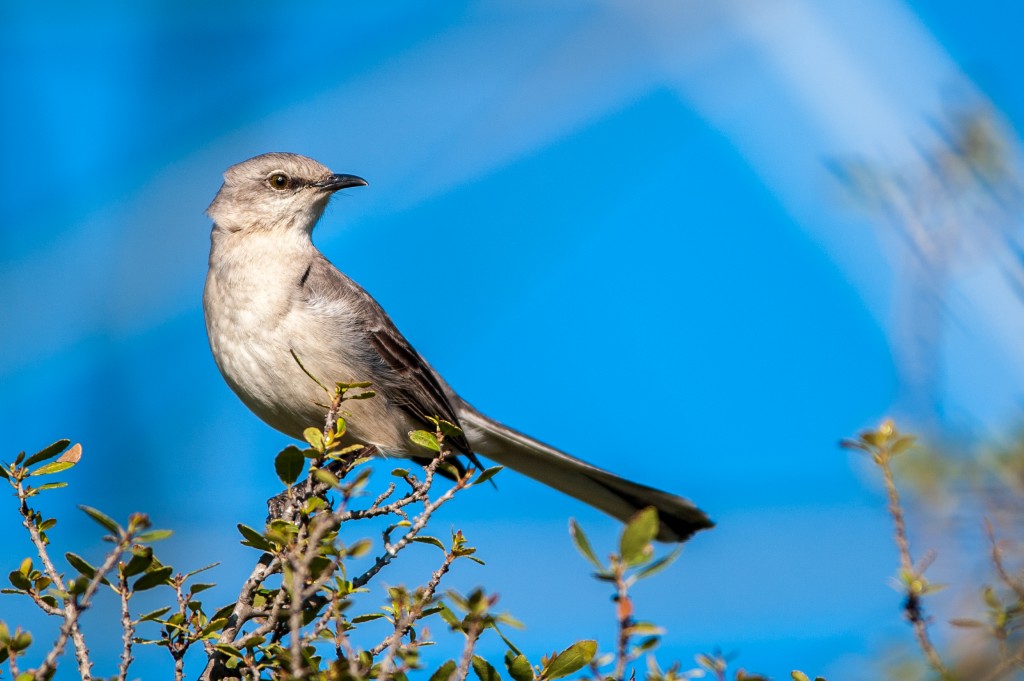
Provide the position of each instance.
(616, 233)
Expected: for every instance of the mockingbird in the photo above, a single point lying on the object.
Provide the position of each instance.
(270, 293)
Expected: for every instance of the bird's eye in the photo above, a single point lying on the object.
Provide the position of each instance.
(278, 181)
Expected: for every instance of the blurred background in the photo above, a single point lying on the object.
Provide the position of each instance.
(693, 242)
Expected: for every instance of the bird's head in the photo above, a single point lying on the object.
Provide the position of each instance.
(276, 191)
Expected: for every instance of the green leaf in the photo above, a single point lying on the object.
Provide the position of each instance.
(635, 543)
(447, 428)
(348, 385)
(252, 642)
(369, 617)
(315, 438)
(990, 598)
(214, 625)
(325, 476)
(488, 474)
(518, 667)
(52, 467)
(20, 641)
(425, 439)
(47, 452)
(197, 588)
(483, 670)
(153, 535)
(155, 615)
(448, 468)
(651, 642)
(340, 426)
(583, 544)
(102, 519)
(4, 474)
(51, 485)
(229, 650)
(434, 541)
(152, 579)
(19, 581)
(255, 539)
(80, 564)
(289, 463)
(660, 564)
(444, 672)
(140, 560)
(798, 675)
(903, 443)
(644, 628)
(202, 569)
(570, 660)
(449, 617)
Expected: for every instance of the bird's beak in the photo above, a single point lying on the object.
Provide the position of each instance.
(333, 183)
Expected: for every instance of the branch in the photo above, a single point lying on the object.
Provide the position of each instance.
(128, 630)
(913, 608)
(72, 608)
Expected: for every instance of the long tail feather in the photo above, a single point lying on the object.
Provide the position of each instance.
(605, 491)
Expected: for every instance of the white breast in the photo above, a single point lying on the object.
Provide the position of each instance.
(256, 317)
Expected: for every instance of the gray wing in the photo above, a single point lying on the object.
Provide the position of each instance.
(409, 382)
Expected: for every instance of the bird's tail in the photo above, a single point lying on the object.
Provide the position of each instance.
(604, 491)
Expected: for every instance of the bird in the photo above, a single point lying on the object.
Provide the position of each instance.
(272, 297)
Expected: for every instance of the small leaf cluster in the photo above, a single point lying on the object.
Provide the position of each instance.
(636, 559)
(883, 443)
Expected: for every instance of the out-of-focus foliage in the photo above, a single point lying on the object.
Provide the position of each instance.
(965, 505)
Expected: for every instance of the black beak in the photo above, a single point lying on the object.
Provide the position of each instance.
(333, 183)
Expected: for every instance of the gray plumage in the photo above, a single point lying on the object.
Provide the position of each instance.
(270, 292)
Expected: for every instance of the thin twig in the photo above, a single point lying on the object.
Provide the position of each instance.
(242, 612)
(12, 662)
(127, 630)
(913, 609)
(624, 612)
(997, 561)
(403, 625)
(420, 522)
(299, 573)
(474, 629)
(72, 613)
(73, 607)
